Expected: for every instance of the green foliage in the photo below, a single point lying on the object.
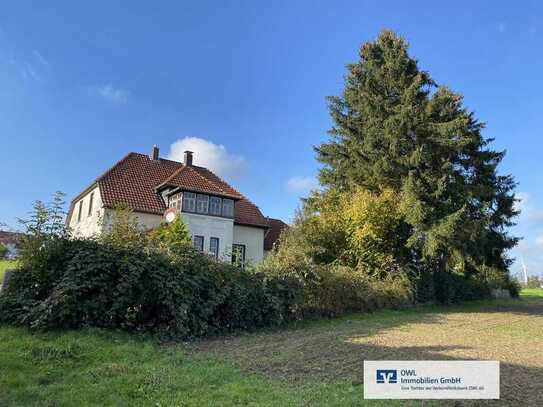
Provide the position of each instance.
(45, 226)
(172, 236)
(339, 290)
(3, 251)
(396, 129)
(534, 282)
(79, 283)
(121, 228)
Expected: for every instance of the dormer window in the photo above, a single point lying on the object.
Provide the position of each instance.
(202, 204)
(174, 201)
(228, 208)
(215, 206)
(189, 201)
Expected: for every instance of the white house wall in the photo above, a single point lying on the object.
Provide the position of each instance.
(89, 225)
(212, 226)
(202, 225)
(253, 239)
(12, 251)
(146, 221)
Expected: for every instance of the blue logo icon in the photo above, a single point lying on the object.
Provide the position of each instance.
(387, 376)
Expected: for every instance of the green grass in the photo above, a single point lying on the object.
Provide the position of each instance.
(532, 292)
(315, 363)
(5, 265)
(95, 367)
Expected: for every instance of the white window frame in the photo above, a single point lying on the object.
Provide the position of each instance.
(216, 251)
(239, 248)
(226, 204)
(91, 201)
(174, 201)
(80, 211)
(196, 238)
(215, 202)
(202, 204)
(189, 202)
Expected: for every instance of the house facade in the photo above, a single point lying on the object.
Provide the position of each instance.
(221, 221)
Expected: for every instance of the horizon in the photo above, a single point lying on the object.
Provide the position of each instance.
(244, 86)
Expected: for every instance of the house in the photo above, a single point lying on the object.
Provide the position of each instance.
(222, 222)
(276, 226)
(11, 241)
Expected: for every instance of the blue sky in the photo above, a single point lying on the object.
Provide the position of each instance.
(245, 82)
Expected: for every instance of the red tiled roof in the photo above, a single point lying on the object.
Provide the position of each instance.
(190, 178)
(10, 237)
(134, 181)
(276, 227)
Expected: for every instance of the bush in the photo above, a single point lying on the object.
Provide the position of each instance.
(89, 283)
(339, 290)
(3, 251)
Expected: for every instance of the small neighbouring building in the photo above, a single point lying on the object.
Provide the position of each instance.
(222, 222)
(11, 241)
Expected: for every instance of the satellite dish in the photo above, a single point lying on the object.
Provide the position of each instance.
(170, 214)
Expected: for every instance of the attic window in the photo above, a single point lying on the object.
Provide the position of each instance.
(202, 203)
(189, 201)
(80, 211)
(174, 201)
(228, 208)
(215, 206)
(90, 203)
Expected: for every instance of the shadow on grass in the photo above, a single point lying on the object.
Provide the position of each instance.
(333, 350)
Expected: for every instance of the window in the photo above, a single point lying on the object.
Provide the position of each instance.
(198, 242)
(174, 201)
(215, 206)
(214, 246)
(238, 254)
(189, 201)
(90, 203)
(228, 208)
(202, 203)
(80, 211)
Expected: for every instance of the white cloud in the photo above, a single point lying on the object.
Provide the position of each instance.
(210, 155)
(522, 200)
(111, 94)
(28, 71)
(301, 185)
(41, 59)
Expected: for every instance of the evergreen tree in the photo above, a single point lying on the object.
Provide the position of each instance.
(395, 128)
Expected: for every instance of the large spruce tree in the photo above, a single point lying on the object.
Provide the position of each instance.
(395, 128)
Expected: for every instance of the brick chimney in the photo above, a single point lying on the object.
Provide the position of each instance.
(188, 158)
(154, 153)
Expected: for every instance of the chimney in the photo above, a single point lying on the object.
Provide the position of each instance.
(154, 153)
(188, 158)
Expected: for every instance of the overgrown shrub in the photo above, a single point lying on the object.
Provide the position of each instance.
(338, 290)
(90, 283)
(3, 251)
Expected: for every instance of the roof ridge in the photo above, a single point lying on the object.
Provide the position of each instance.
(220, 179)
(100, 177)
(176, 172)
(207, 180)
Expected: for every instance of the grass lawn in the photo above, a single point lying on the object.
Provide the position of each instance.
(5, 265)
(315, 363)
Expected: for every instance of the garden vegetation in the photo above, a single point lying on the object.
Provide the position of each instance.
(411, 209)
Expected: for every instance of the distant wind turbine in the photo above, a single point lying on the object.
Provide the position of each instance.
(524, 270)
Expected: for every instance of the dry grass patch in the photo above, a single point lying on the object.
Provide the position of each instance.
(332, 351)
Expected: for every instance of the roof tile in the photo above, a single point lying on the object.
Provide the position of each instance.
(134, 179)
